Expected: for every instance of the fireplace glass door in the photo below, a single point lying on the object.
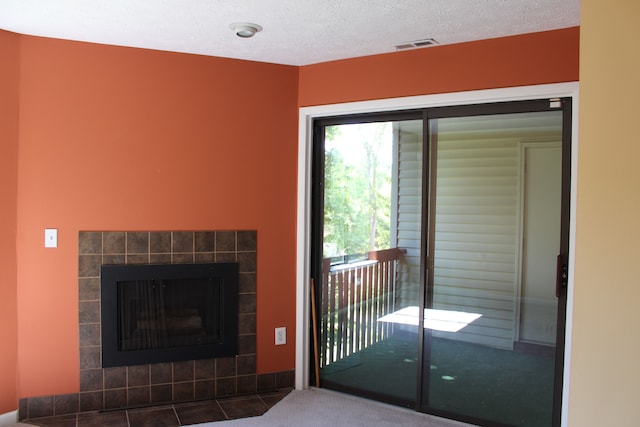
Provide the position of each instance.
(156, 314)
(168, 312)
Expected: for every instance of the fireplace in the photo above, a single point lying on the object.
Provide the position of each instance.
(118, 387)
(168, 312)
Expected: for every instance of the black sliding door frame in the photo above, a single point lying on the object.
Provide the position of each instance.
(428, 233)
(317, 224)
(428, 114)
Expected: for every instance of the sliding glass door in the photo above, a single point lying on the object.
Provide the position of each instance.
(441, 239)
(369, 266)
(494, 236)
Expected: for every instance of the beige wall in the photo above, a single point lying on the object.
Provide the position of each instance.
(605, 361)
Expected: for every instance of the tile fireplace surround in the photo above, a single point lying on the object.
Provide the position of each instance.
(157, 384)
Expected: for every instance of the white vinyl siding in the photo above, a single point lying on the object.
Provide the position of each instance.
(478, 233)
(476, 241)
(476, 236)
(409, 208)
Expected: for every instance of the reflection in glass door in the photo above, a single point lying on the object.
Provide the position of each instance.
(494, 237)
(369, 284)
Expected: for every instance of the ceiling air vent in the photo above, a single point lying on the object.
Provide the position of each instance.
(416, 44)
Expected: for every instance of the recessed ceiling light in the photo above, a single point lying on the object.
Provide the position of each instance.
(245, 29)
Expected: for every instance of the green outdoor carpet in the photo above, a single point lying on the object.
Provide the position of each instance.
(512, 388)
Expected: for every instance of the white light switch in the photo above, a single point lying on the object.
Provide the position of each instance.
(50, 237)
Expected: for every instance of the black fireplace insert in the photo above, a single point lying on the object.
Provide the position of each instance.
(157, 313)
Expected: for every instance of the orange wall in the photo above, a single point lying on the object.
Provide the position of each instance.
(537, 58)
(117, 138)
(114, 138)
(9, 78)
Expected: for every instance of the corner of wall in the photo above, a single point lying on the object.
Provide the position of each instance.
(9, 110)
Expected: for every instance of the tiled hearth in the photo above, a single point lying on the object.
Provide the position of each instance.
(164, 383)
(173, 415)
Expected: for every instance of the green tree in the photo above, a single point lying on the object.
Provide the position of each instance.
(377, 175)
(356, 193)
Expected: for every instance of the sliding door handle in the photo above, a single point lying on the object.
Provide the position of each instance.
(561, 275)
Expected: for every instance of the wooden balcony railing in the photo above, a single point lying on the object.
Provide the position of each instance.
(354, 296)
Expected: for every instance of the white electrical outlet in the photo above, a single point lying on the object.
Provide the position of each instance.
(281, 336)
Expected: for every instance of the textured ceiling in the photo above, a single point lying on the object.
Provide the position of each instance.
(296, 32)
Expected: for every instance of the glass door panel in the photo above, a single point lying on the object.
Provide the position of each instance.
(490, 307)
(369, 291)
